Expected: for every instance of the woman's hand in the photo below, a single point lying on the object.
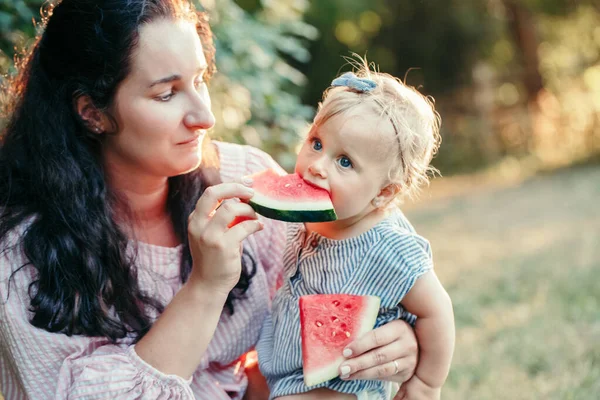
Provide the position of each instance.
(216, 247)
(389, 353)
(257, 384)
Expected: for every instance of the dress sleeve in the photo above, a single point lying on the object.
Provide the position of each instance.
(111, 371)
(38, 364)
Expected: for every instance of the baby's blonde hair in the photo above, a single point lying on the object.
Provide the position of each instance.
(412, 116)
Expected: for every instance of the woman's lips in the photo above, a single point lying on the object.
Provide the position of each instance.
(194, 140)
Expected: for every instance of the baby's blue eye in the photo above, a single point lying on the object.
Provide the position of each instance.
(345, 162)
(316, 144)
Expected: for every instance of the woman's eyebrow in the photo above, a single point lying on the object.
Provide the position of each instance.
(175, 77)
(172, 78)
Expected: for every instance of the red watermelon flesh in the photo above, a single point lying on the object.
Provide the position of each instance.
(290, 198)
(329, 322)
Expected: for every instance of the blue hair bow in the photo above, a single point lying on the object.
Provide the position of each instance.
(354, 82)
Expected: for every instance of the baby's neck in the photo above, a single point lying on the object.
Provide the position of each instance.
(347, 228)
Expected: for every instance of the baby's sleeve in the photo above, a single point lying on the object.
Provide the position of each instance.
(392, 265)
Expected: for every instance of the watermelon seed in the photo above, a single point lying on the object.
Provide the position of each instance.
(336, 303)
(347, 334)
(287, 185)
(335, 319)
(333, 333)
(347, 307)
(319, 324)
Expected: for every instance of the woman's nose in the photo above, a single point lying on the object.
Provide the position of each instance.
(199, 115)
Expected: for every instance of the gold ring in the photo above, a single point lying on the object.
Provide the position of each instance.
(396, 370)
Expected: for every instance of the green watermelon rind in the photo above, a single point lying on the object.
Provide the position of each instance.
(331, 371)
(293, 205)
(294, 215)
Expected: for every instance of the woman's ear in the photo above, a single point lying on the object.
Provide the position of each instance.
(385, 195)
(94, 119)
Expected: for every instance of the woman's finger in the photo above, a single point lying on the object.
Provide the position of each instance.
(214, 195)
(246, 181)
(381, 357)
(398, 370)
(244, 229)
(378, 337)
(227, 212)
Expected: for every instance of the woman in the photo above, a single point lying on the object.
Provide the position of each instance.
(119, 275)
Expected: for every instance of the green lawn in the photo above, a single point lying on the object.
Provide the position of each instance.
(522, 265)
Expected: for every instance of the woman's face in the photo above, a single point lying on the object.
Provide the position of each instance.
(162, 108)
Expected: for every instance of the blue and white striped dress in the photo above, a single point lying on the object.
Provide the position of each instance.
(384, 261)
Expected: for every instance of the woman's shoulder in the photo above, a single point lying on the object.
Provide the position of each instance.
(237, 160)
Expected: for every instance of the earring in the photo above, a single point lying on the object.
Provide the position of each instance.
(376, 202)
(97, 129)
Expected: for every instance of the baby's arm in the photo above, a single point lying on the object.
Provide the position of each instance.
(429, 301)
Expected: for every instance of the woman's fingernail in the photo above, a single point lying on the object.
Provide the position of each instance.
(345, 370)
(250, 191)
(347, 353)
(247, 181)
(344, 376)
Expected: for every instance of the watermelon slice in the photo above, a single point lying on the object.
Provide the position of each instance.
(290, 198)
(329, 322)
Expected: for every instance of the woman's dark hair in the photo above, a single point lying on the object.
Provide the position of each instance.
(51, 175)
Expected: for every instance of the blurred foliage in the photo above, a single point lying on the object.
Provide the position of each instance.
(255, 95)
(512, 79)
(506, 74)
(16, 27)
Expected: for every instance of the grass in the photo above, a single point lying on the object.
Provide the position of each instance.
(521, 261)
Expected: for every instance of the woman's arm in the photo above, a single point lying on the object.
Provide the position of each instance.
(177, 341)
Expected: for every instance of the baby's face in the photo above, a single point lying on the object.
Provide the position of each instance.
(349, 156)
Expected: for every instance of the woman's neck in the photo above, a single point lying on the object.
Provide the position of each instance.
(350, 227)
(145, 209)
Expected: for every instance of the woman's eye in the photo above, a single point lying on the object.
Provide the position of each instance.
(345, 162)
(316, 144)
(165, 97)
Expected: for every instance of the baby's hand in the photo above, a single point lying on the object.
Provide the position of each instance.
(416, 389)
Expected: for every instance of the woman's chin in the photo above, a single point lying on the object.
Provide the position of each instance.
(185, 166)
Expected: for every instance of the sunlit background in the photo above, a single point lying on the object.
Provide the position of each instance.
(514, 220)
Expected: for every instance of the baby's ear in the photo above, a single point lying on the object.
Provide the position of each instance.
(386, 195)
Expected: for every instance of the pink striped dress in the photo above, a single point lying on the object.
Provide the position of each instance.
(40, 365)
